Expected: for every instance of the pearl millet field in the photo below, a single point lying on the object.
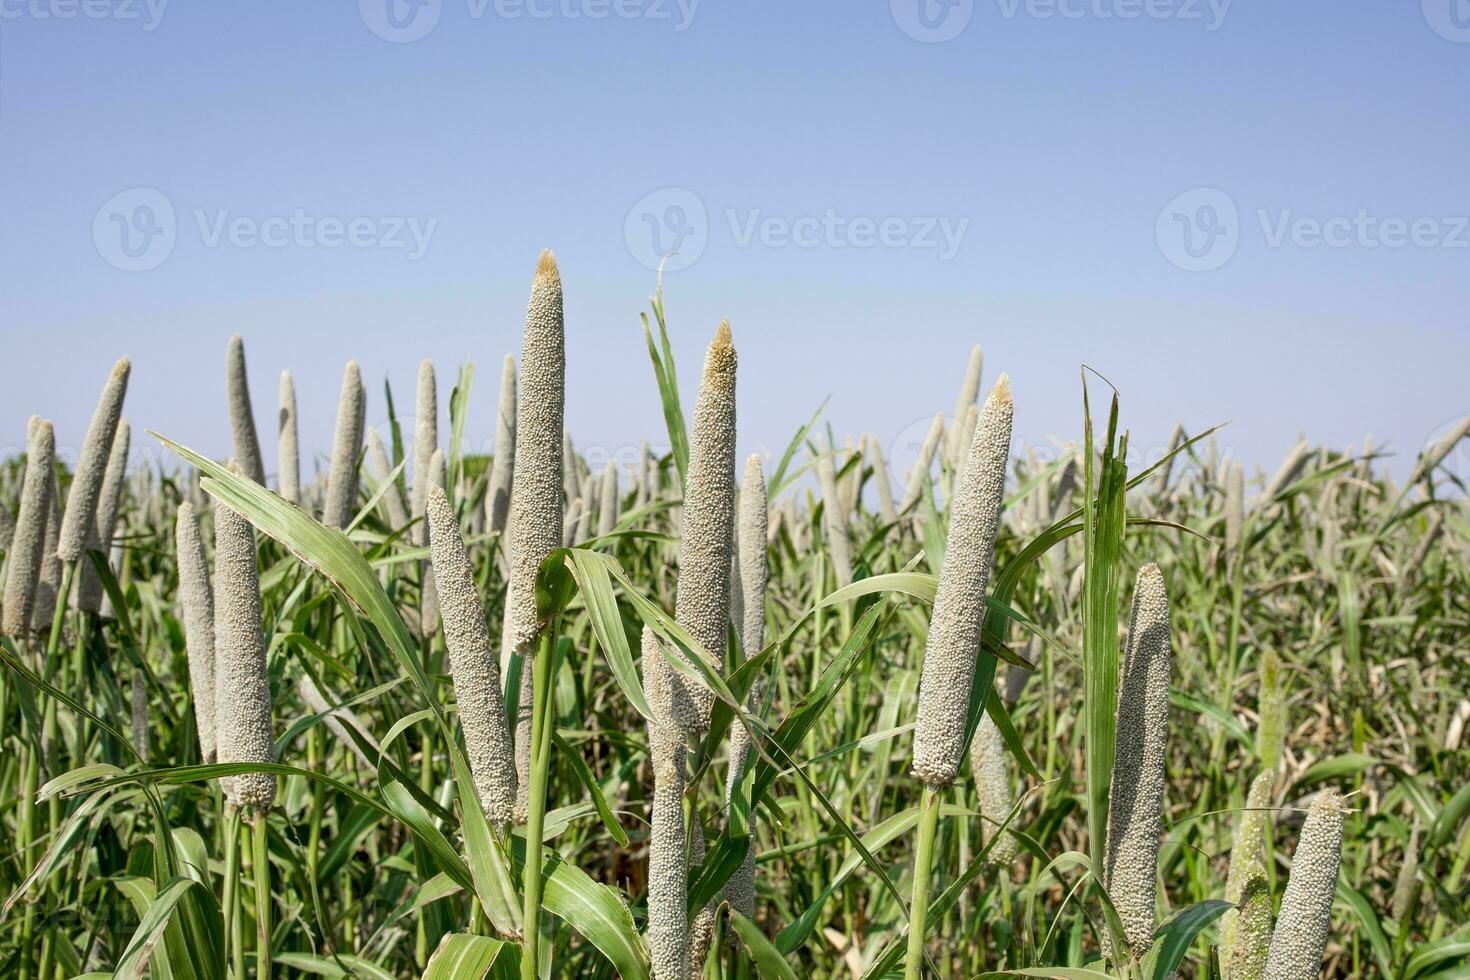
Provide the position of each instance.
(684, 715)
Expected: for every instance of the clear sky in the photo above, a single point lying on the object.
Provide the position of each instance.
(1235, 211)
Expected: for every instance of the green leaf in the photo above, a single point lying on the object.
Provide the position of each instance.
(584, 773)
(1432, 954)
(1363, 910)
(920, 585)
(768, 959)
(779, 477)
(1173, 938)
(1451, 818)
(156, 917)
(1103, 527)
(332, 553)
(323, 966)
(594, 910)
(461, 956)
(1056, 972)
(1335, 768)
(595, 582)
(1214, 712)
(794, 935)
(667, 376)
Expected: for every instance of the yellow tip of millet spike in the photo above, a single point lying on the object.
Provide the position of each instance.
(722, 335)
(1002, 390)
(546, 266)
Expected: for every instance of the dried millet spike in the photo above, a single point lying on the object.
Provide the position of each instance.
(536, 483)
(1234, 507)
(197, 599)
(242, 690)
(383, 473)
(915, 487)
(834, 519)
(535, 521)
(497, 497)
(969, 391)
(993, 786)
(49, 582)
(967, 431)
(750, 533)
(1291, 467)
(425, 444)
(571, 482)
(476, 673)
(1306, 905)
(959, 603)
(886, 509)
(607, 505)
(78, 527)
(288, 444)
(1436, 454)
(242, 417)
(586, 509)
(668, 869)
(437, 478)
(346, 447)
(640, 478)
(23, 560)
(89, 589)
(1136, 796)
(702, 603)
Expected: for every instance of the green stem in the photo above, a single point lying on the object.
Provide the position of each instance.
(262, 868)
(541, 721)
(63, 596)
(919, 906)
(230, 900)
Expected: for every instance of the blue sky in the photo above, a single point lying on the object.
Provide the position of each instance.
(862, 203)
